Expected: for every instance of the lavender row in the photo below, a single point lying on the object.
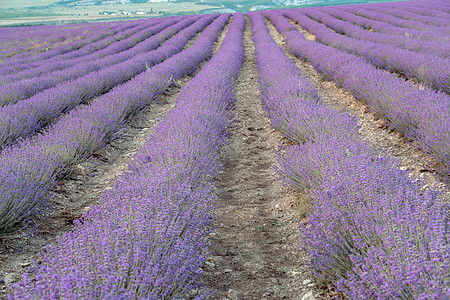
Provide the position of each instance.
(25, 118)
(424, 8)
(421, 114)
(29, 170)
(72, 69)
(405, 14)
(362, 11)
(113, 36)
(383, 27)
(350, 30)
(371, 229)
(148, 240)
(428, 69)
(123, 39)
(46, 43)
(15, 35)
(104, 38)
(34, 40)
(15, 64)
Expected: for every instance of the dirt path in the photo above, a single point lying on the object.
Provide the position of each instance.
(256, 245)
(80, 190)
(373, 130)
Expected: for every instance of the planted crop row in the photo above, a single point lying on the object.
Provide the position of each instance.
(421, 114)
(383, 27)
(16, 64)
(25, 118)
(113, 36)
(19, 42)
(79, 67)
(371, 228)
(353, 31)
(148, 238)
(424, 10)
(121, 40)
(362, 11)
(405, 14)
(30, 170)
(431, 70)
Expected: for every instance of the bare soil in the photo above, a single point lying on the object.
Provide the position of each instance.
(80, 190)
(373, 129)
(256, 245)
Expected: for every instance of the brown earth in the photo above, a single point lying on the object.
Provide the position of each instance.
(256, 246)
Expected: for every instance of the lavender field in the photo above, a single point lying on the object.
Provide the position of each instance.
(299, 153)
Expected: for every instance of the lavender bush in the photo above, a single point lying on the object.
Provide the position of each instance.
(29, 170)
(75, 44)
(148, 240)
(364, 12)
(25, 118)
(371, 228)
(28, 41)
(405, 14)
(428, 69)
(420, 113)
(117, 53)
(120, 41)
(353, 31)
(26, 60)
(381, 25)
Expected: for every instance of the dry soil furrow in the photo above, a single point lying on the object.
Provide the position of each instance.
(256, 246)
(80, 190)
(373, 130)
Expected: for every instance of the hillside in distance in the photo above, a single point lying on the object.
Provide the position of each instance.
(56, 12)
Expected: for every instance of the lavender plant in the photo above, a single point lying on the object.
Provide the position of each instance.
(371, 228)
(25, 61)
(428, 69)
(420, 113)
(112, 44)
(28, 170)
(114, 55)
(405, 14)
(25, 118)
(381, 25)
(403, 42)
(148, 240)
(75, 44)
(364, 12)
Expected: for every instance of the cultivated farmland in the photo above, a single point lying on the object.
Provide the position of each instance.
(299, 153)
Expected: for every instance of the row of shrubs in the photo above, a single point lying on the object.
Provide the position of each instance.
(371, 229)
(148, 237)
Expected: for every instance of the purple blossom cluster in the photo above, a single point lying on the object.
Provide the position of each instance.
(420, 113)
(370, 228)
(30, 169)
(148, 238)
(26, 117)
(428, 69)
